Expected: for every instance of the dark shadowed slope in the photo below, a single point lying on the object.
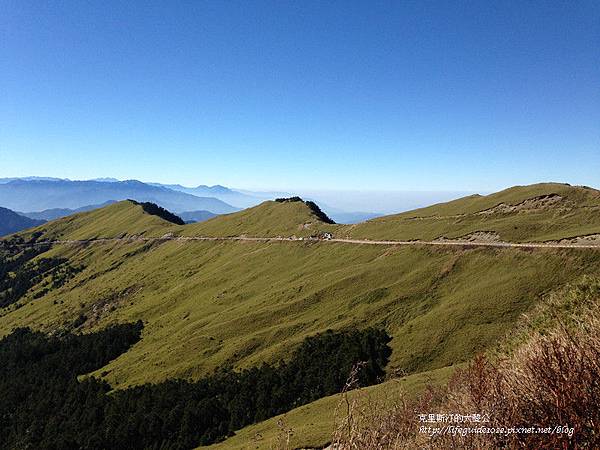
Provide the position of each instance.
(11, 222)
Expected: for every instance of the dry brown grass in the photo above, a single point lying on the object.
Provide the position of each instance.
(551, 380)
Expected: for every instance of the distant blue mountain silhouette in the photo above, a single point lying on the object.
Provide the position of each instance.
(11, 222)
(57, 213)
(39, 195)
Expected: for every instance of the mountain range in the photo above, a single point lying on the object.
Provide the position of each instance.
(446, 282)
(49, 198)
(39, 195)
(11, 222)
(233, 197)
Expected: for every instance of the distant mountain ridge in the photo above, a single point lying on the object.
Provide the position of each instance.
(42, 194)
(236, 198)
(8, 180)
(57, 213)
(231, 196)
(11, 222)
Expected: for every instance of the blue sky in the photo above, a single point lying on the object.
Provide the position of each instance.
(303, 95)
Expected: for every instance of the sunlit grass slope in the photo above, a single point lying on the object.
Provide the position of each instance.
(535, 213)
(538, 212)
(311, 426)
(127, 218)
(208, 304)
(117, 220)
(267, 219)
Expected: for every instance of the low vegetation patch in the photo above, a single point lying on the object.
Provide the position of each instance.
(45, 407)
(21, 270)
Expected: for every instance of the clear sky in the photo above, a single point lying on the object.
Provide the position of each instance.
(392, 95)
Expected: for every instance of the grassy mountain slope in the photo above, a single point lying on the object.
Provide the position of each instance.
(568, 308)
(209, 304)
(521, 214)
(116, 220)
(267, 219)
(310, 426)
(212, 304)
(538, 212)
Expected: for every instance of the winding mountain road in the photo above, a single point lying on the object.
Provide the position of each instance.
(440, 243)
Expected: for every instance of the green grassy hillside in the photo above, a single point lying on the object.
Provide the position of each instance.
(120, 219)
(267, 219)
(311, 425)
(538, 212)
(209, 304)
(128, 218)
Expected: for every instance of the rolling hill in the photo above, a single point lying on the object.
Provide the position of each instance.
(540, 212)
(121, 219)
(212, 304)
(270, 218)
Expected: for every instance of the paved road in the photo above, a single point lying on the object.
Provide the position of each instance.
(445, 243)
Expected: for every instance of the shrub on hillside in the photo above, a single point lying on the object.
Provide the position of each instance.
(155, 210)
(311, 205)
(21, 269)
(289, 200)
